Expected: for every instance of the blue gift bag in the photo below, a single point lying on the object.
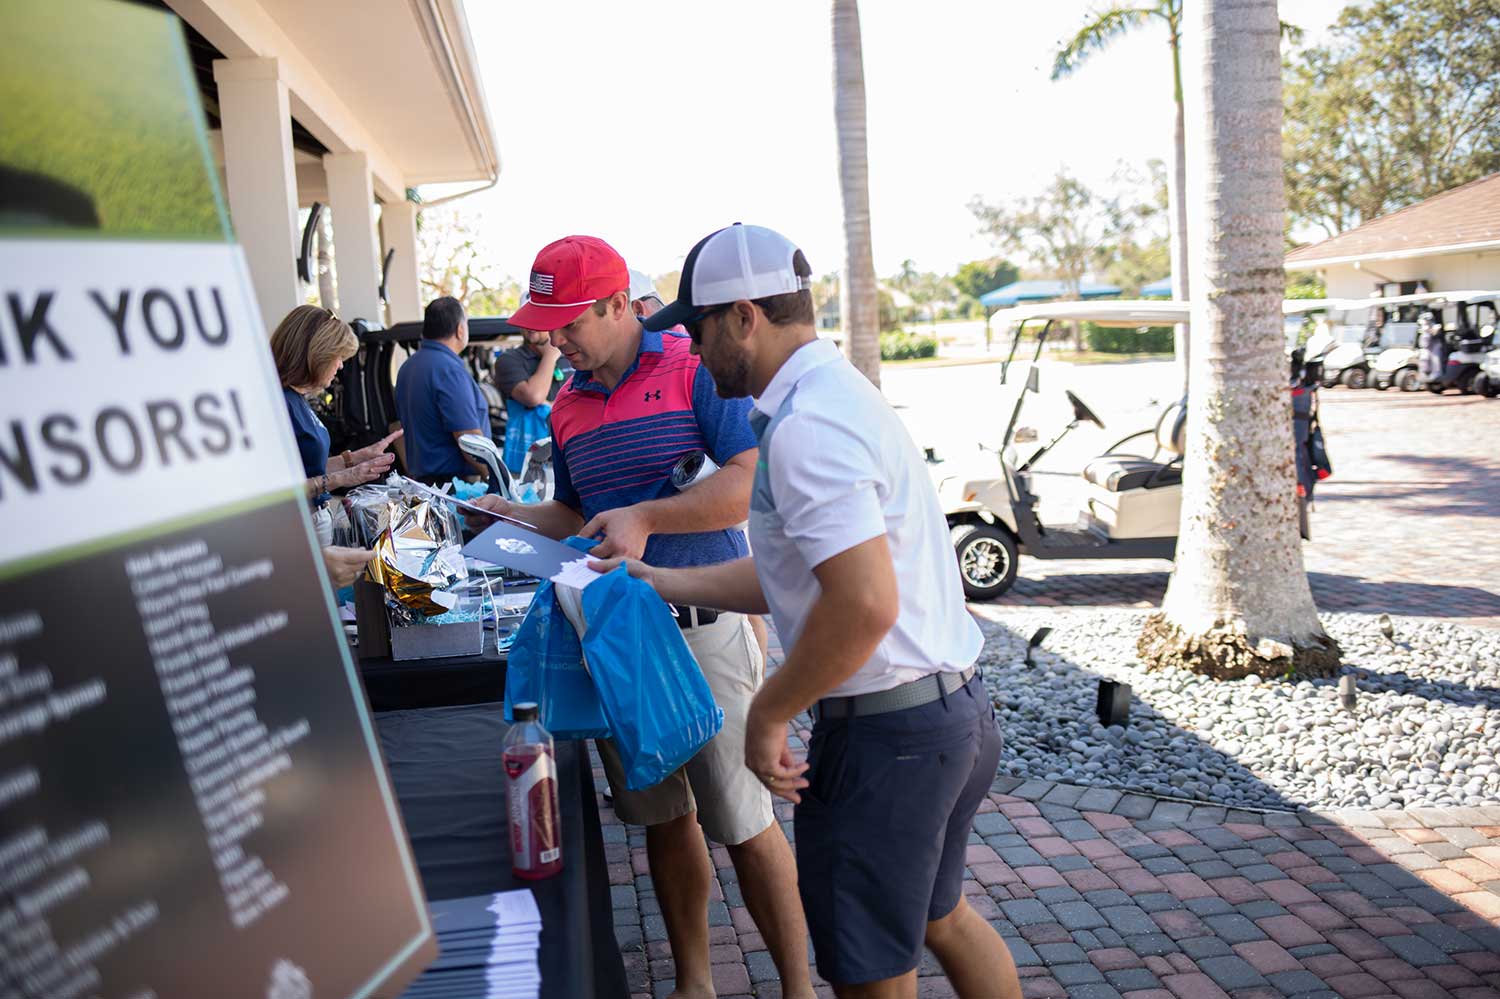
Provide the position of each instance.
(545, 665)
(658, 705)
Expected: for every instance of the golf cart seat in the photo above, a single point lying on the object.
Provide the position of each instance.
(1123, 472)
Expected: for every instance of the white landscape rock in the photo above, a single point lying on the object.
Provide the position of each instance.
(1425, 729)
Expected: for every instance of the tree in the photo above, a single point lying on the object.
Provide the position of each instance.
(1238, 601)
(1404, 103)
(859, 304)
(1143, 251)
(452, 262)
(979, 276)
(1104, 27)
(1066, 230)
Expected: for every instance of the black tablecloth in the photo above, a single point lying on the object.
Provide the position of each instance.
(446, 770)
(394, 685)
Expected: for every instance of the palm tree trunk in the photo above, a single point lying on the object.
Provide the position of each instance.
(1177, 217)
(859, 301)
(1238, 601)
(325, 265)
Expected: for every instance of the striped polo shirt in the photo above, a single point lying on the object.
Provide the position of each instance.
(617, 448)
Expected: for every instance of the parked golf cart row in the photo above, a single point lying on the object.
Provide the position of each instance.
(1434, 341)
(1134, 487)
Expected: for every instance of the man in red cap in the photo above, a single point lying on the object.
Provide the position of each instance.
(638, 402)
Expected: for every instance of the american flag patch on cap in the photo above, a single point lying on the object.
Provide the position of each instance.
(541, 284)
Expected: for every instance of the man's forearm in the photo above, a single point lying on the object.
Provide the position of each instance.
(533, 391)
(555, 520)
(837, 640)
(729, 586)
(718, 502)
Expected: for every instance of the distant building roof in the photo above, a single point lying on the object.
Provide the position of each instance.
(1157, 289)
(1465, 218)
(1041, 291)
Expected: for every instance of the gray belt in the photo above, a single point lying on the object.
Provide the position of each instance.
(923, 690)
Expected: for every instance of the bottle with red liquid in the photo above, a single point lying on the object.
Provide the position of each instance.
(531, 796)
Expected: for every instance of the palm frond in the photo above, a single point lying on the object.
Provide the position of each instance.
(1291, 33)
(1096, 35)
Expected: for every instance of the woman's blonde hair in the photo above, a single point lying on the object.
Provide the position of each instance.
(307, 341)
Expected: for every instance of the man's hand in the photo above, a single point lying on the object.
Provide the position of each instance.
(492, 503)
(770, 759)
(345, 564)
(375, 450)
(640, 570)
(549, 352)
(625, 532)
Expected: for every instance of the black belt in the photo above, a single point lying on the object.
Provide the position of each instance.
(922, 690)
(686, 616)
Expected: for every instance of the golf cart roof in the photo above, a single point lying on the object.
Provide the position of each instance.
(1140, 312)
(1422, 299)
(1135, 313)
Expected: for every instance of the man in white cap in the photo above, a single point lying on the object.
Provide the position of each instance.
(853, 561)
(644, 298)
(636, 403)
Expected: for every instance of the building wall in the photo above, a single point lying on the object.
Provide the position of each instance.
(1459, 271)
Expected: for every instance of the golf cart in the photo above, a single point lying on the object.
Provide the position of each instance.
(1396, 365)
(1134, 498)
(1487, 382)
(1347, 347)
(1455, 356)
(1134, 493)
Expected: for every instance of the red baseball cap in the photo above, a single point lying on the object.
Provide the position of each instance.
(568, 276)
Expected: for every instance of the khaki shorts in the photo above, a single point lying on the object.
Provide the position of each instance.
(732, 804)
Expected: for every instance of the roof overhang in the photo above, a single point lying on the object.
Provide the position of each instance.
(395, 79)
(1411, 254)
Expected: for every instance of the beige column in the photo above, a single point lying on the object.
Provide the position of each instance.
(351, 197)
(398, 227)
(262, 182)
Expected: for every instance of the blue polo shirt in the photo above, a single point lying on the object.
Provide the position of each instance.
(436, 397)
(311, 437)
(617, 448)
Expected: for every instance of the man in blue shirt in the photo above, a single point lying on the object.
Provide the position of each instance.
(437, 400)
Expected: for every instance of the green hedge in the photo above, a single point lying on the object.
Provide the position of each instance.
(901, 346)
(1114, 340)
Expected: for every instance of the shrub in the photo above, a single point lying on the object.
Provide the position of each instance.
(898, 345)
(1115, 340)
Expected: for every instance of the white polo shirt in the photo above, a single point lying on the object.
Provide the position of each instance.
(838, 468)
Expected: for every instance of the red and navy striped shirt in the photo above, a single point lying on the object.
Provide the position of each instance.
(617, 448)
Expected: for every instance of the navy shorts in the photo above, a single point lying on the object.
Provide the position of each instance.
(883, 827)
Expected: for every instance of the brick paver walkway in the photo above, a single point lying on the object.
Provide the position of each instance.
(1102, 895)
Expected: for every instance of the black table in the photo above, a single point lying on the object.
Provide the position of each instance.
(393, 685)
(446, 771)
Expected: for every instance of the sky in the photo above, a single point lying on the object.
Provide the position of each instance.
(652, 123)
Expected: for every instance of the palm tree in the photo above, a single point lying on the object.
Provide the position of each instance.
(1238, 601)
(1106, 26)
(859, 301)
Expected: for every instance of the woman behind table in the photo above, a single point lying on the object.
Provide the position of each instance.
(310, 346)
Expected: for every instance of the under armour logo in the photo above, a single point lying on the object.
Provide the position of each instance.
(650, 396)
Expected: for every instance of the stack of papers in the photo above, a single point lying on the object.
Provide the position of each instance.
(487, 949)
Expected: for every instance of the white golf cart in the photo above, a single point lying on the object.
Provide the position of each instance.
(1396, 365)
(1134, 499)
(1134, 492)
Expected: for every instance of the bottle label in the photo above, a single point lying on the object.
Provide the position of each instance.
(532, 803)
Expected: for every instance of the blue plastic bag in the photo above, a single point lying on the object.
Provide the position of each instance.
(545, 665)
(659, 707)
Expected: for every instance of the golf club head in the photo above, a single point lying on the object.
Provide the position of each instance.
(489, 454)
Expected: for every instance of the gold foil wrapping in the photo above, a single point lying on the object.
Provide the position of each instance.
(418, 557)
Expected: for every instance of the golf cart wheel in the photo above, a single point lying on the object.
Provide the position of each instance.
(1355, 378)
(987, 559)
(1407, 380)
(1487, 386)
(1466, 385)
(1436, 388)
(1379, 384)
